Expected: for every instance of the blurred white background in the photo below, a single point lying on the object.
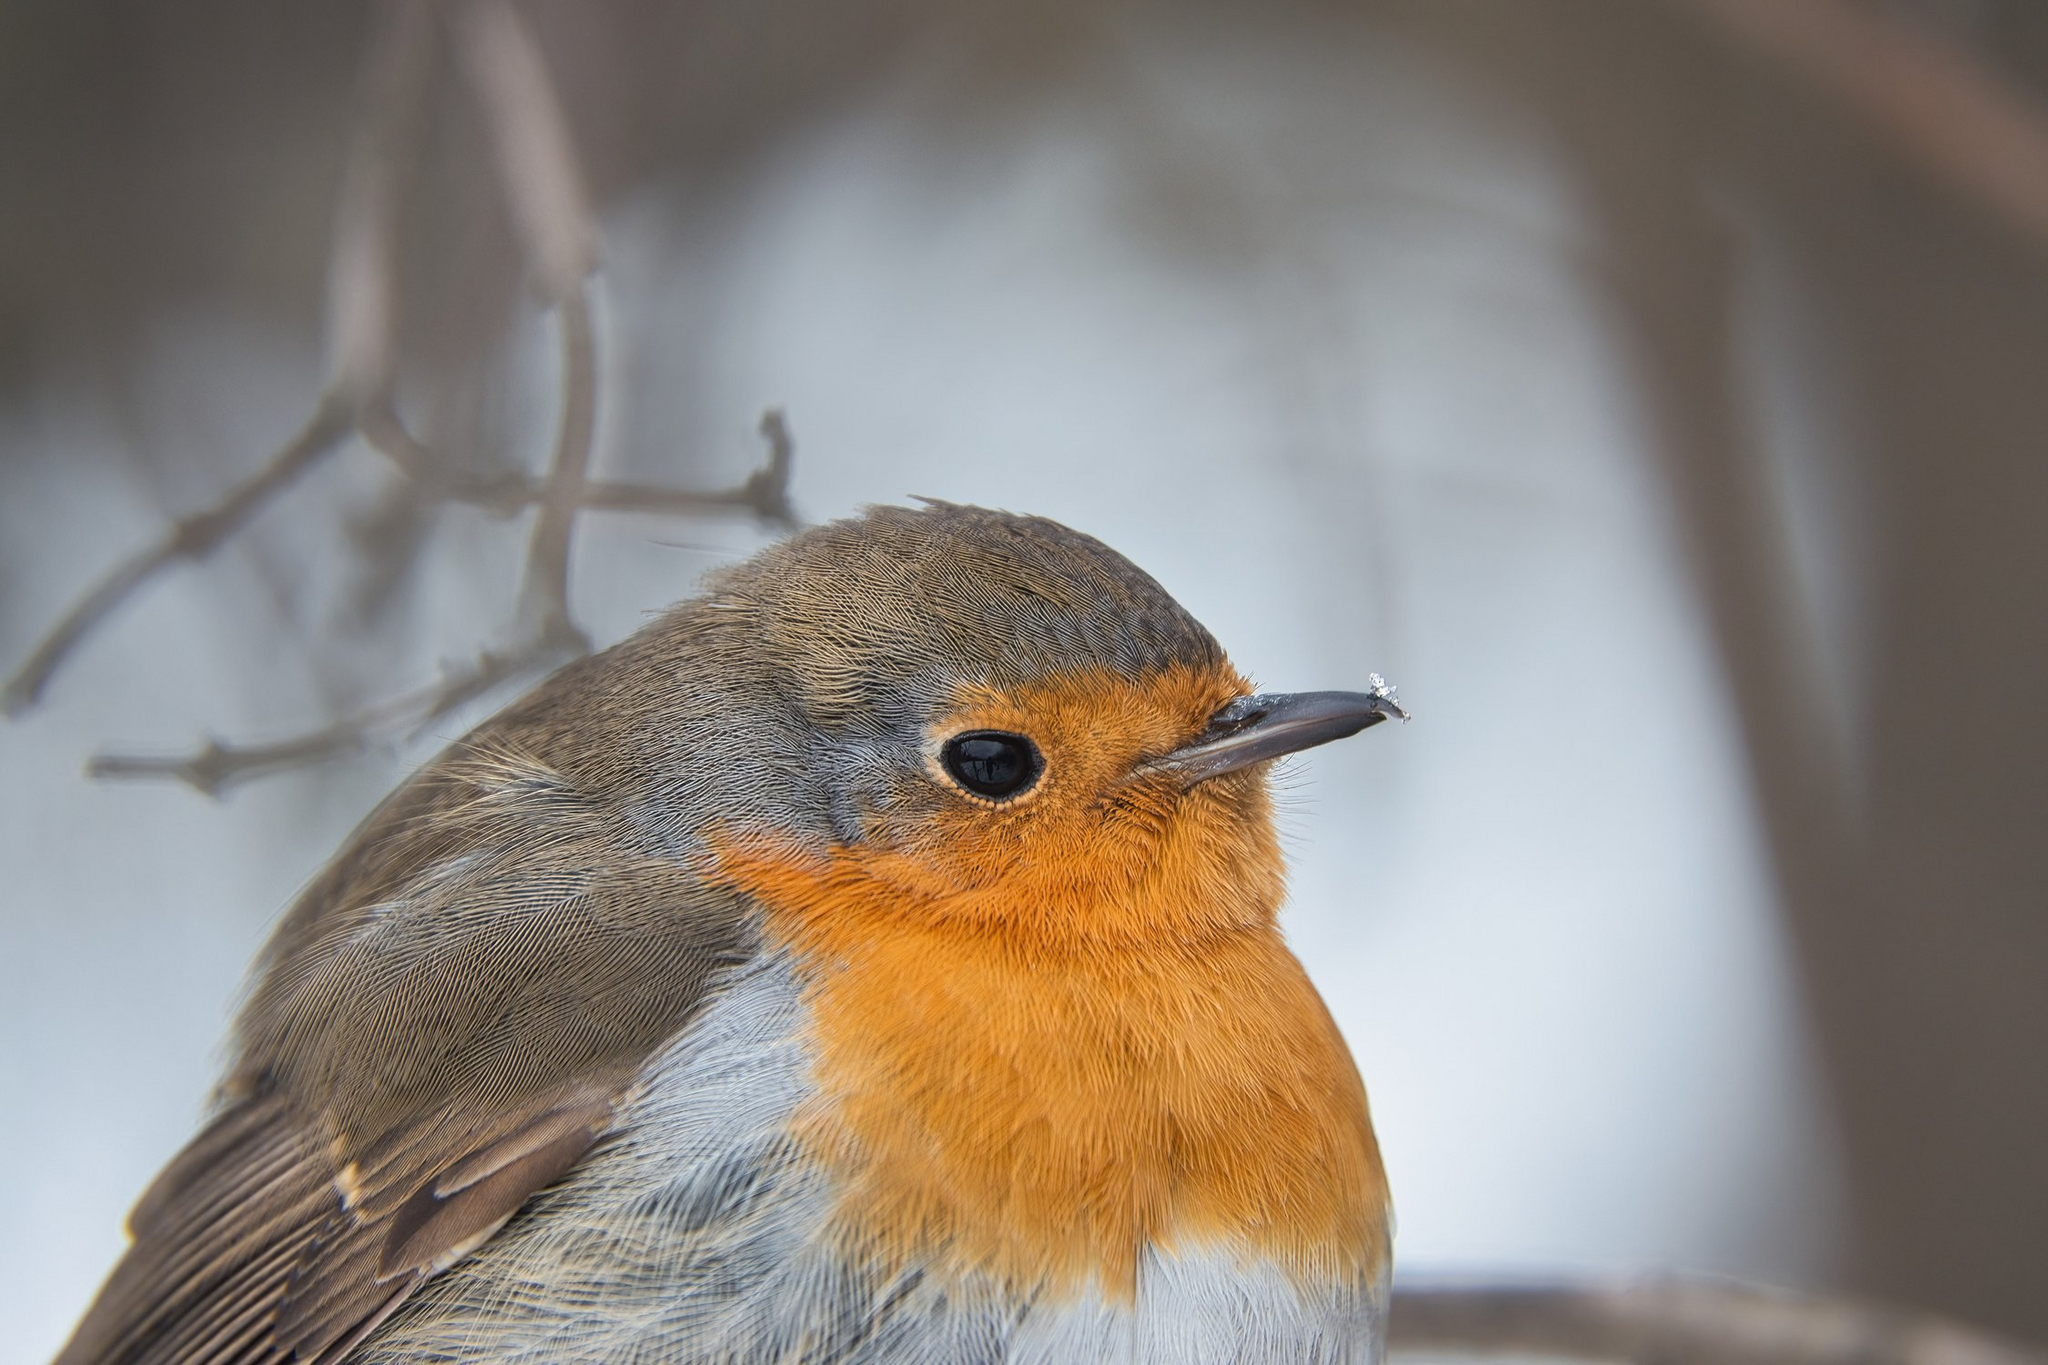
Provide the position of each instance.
(1284, 305)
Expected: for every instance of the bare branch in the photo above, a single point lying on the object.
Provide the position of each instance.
(362, 271)
(544, 594)
(1960, 121)
(544, 189)
(192, 538)
(537, 163)
(765, 492)
(219, 765)
(359, 306)
(1665, 1322)
(536, 156)
(435, 477)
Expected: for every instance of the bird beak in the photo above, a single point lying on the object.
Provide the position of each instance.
(1253, 729)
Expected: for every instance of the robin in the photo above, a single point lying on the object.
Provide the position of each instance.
(872, 960)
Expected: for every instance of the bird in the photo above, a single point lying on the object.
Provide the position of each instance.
(875, 958)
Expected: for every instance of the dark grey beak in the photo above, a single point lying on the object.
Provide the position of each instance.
(1253, 729)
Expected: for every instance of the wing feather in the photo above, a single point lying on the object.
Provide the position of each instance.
(443, 1026)
(217, 1239)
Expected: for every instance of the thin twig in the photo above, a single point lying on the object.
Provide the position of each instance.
(362, 270)
(1959, 120)
(192, 538)
(544, 593)
(1680, 1322)
(219, 765)
(433, 477)
(536, 154)
(359, 307)
(765, 492)
(537, 166)
(544, 190)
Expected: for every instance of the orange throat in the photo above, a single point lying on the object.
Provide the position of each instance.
(1003, 1096)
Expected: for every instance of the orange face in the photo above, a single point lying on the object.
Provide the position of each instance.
(1053, 1030)
(1096, 848)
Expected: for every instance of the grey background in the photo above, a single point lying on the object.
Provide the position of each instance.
(1667, 434)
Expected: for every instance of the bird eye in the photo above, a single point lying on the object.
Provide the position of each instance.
(992, 763)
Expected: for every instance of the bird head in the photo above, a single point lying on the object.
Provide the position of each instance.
(1003, 722)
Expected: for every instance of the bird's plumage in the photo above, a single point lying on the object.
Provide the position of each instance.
(682, 1013)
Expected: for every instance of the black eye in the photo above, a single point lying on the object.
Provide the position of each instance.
(991, 763)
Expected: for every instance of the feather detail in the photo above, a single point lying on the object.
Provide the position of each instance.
(447, 1217)
(443, 1026)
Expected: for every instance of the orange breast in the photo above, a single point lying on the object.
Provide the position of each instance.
(1001, 1100)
